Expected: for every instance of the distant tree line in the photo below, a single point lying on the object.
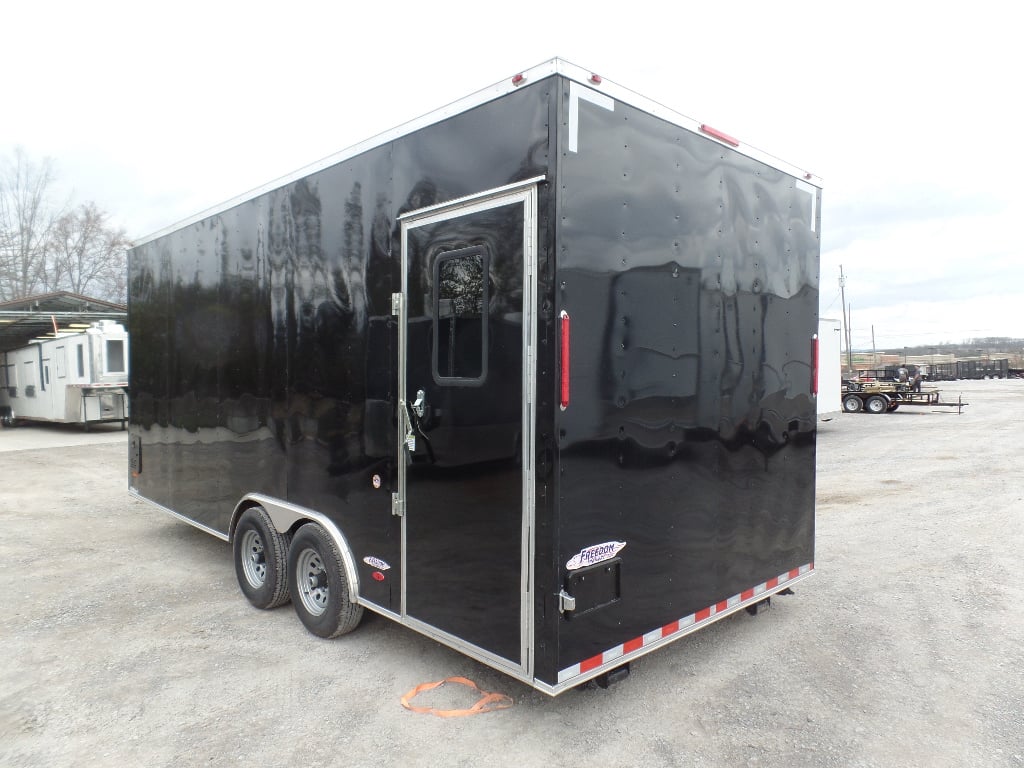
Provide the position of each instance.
(989, 345)
(46, 245)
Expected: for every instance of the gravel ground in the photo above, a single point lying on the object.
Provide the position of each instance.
(126, 641)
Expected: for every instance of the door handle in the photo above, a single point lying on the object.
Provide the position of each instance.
(419, 405)
(415, 412)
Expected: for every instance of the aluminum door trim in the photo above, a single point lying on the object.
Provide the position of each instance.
(439, 209)
(524, 193)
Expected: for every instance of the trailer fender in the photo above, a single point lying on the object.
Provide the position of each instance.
(284, 515)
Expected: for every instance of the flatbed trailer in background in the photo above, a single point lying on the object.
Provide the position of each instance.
(886, 397)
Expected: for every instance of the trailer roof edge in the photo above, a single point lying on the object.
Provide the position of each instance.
(555, 66)
(659, 110)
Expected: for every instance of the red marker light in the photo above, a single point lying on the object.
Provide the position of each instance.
(378, 576)
(564, 398)
(814, 357)
(595, 79)
(518, 79)
(724, 137)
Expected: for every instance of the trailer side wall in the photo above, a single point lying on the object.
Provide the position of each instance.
(264, 345)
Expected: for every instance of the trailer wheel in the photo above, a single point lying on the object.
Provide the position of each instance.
(852, 404)
(876, 404)
(261, 556)
(316, 577)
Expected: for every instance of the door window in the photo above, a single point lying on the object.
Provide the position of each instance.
(460, 317)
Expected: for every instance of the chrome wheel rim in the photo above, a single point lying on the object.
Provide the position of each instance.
(254, 559)
(312, 581)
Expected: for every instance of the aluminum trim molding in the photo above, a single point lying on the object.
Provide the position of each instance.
(532, 75)
(518, 193)
(284, 514)
(212, 531)
(473, 651)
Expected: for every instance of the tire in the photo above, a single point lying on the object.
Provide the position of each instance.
(261, 557)
(893, 407)
(852, 404)
(876, 404)
(319, 587)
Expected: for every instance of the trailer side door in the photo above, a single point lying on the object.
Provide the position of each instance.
(466, 351)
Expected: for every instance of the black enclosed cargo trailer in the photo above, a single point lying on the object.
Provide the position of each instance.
(532, 376)
(983, 369)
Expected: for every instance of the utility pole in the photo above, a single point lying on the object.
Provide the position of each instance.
(846, 320)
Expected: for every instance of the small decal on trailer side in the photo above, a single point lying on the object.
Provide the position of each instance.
(376, 562)
(595, 554)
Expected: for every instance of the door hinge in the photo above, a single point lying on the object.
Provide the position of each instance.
(396, 304)
(397, 505)
(566, 602)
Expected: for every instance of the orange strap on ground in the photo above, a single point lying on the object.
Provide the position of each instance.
(486, 703)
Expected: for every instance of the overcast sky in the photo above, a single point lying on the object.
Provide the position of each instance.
(911, 113)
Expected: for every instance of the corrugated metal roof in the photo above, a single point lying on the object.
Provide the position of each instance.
(22, 320)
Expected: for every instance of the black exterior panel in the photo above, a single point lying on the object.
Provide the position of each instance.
(264, 352)
(464, 502)
(689, 273)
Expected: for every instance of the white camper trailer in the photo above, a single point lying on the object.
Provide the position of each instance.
(79, 378)
(830, 379)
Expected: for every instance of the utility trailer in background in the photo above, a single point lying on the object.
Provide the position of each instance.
(945, 371)
(75, 378)
(531, 375)
(983, 369)
(888, 396)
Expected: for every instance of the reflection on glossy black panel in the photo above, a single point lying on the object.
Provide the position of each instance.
(264, 350)
(690, 275)
(464, 488)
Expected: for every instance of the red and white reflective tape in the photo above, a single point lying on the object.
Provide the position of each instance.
(684, 626)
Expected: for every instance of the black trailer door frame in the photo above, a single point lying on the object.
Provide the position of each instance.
(466, 371)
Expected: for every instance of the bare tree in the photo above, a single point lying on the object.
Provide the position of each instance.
(87, 255)
(26, 222)
(46, 247)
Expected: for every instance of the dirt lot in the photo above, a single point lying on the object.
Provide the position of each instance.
(126, 641)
